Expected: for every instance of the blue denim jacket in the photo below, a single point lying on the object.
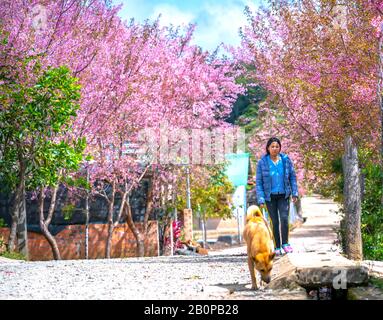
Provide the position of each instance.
(263, 179)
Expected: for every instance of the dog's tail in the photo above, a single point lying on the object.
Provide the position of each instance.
(252, 212)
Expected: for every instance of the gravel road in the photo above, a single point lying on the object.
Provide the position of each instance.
(220, 275)
(223, 274)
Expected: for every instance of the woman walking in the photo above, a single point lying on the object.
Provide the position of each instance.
(275, 182)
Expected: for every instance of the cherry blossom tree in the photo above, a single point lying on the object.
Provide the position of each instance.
(132, 76)
(46, 36)
(157, 78)
(319, 61)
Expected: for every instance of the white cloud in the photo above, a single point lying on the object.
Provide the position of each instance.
(217, 20)
(172, 15)
(132, 9)
(223, 23)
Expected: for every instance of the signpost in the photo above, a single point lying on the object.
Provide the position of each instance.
(237, 172)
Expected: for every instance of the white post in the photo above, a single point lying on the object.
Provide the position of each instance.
(188, 187)
(171, 238)
(239, 227)
(158, 239)
(87, 217)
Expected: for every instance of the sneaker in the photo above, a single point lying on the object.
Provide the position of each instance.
(278, 251)
(287, 248)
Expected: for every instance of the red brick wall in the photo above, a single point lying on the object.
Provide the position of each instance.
(71, 242)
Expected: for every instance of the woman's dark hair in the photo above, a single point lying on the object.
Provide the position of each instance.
(271, 140)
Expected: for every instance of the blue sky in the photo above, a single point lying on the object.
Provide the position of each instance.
(217, 20)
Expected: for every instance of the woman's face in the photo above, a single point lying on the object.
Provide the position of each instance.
(274, 149)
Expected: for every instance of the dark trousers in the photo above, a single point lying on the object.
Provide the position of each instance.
(278, 208)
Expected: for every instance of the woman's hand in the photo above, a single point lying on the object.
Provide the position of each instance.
(295, 199)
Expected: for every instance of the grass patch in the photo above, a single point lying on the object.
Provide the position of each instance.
(13, 255)
(376, 282)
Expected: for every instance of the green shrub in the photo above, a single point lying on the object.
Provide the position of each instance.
(10, 255)
(2, 223)
(377, 282)
(372, 213)
(372, 209)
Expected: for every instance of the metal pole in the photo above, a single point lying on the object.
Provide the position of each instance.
(174, 218)
(204, 232)
(239, 230)
(171, 238)
(175, 204)
(188, 203)
(158, 239)
(87, 217)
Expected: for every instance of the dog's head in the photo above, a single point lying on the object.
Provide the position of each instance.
(264, 265)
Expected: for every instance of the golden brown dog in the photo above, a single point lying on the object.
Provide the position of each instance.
(260, 249)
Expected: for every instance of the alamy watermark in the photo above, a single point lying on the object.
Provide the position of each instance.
(39, 17)
(173, 145)
(340, 280)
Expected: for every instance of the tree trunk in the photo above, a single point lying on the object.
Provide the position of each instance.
(110, 230)
(19, 225)
(137, 234)
(352, 201)
(44, 223)
(140, 245)
(108, 248)
(140, 237)
(22, 233)
(380, 92)
(149, 206)
(15, 219)
(380, 98)
(12, 235)
(164, 242)
(109, 240)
